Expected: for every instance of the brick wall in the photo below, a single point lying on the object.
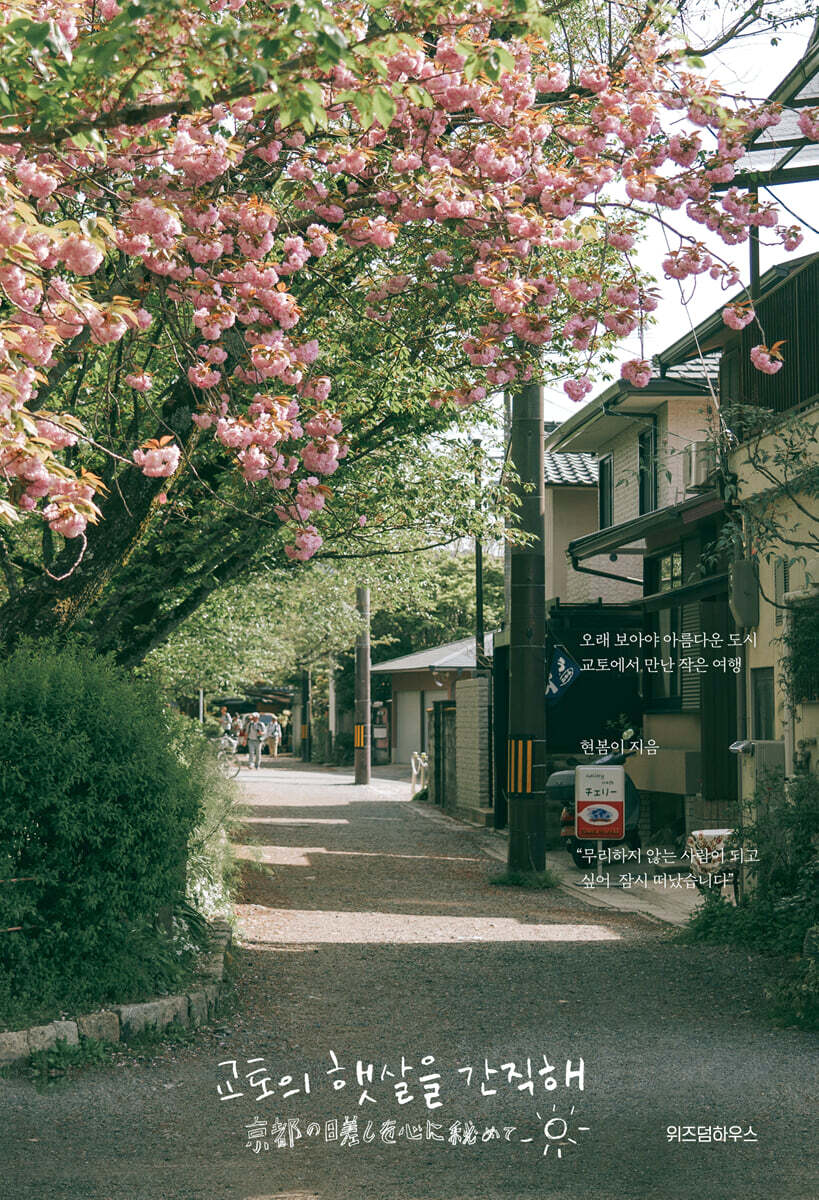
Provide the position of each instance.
(472, 701)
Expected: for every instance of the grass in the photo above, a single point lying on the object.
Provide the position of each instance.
(48, 1067)
(536, 880)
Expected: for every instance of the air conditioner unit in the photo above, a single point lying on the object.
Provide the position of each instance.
(699, 463)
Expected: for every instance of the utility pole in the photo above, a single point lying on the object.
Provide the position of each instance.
(526, 747)
(331, 702)
(480, 641)
(363, 728)
(306, 715)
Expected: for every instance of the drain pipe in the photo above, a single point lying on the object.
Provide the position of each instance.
(604, 574)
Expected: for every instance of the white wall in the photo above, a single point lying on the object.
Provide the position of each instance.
(408, 718)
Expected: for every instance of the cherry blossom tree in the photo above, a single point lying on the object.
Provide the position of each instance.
(200, 196)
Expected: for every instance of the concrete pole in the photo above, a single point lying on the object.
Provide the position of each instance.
(526, 747)
(480, 640)
(363, 728)
(306, 715)
(331, 701)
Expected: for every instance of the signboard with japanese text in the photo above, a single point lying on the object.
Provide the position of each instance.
(600, 802)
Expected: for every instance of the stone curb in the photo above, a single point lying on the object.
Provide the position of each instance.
(122, 1020)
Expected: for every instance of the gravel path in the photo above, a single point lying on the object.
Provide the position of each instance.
(373, 932)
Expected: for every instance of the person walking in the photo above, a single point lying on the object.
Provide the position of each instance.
(255, 736)
(275, 735)
(225, 720)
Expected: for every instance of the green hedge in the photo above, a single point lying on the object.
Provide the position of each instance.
(97, 804)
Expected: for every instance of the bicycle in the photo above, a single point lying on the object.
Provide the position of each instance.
(226, 757)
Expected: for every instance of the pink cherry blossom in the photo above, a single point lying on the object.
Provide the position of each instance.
(307, 542)
(65, 519)
(637, 372)
(140, 381)
(201, 377)
(576, 389)
(80, 254)
(765, 360)
(737, 316)
(158, 461)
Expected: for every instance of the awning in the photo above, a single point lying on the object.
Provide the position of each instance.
(703, 589)
(782, 153)
(622, 538)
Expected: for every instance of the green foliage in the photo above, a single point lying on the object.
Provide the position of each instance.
(794, 997)
(438, 604)
(100, 792)
(211, 868)
(47, 1067)
(782, 901)
(343, 750)
(801, 662)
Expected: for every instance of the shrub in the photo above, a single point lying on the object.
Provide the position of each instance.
(343, 750)
(783, 899)
(794, 996)
(98, 800)
(211, 864)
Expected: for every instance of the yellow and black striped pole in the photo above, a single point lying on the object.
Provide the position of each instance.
(526, 744)
(361, 732)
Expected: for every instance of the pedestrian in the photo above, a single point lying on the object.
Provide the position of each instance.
(275, 735)
(240, 731)
(225, 720)
(255, 736)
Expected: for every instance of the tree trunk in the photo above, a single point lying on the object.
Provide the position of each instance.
(56, 602)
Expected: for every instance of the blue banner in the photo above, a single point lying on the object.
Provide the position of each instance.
(562, 674)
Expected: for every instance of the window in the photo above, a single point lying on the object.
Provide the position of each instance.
(762, 700)
(664, 572)
(605, 491)
(647, 468)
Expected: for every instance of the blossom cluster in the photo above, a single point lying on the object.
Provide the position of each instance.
(229, 212)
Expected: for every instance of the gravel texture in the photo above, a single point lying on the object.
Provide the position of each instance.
(373, 932)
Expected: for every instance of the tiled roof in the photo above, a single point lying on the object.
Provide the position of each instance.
(697, 370)
(452, 656)
(576, 469)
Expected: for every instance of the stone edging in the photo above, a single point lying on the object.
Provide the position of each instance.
(122, 1020)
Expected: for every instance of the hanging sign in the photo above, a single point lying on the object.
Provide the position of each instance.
(562, 674)
(600, 802)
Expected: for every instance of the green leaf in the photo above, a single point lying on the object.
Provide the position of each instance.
(384, 107)
(363, 103)
(59, 42)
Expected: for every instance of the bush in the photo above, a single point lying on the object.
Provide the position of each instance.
(794, 997)
(783, 898)
(211, 865)
(343, 750)
(100, 790)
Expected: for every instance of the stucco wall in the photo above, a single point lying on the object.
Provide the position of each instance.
(793, 519)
